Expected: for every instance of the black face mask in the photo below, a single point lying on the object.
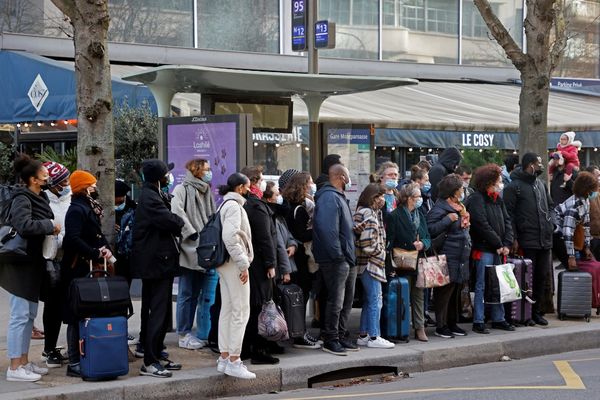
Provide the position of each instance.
(94, 195)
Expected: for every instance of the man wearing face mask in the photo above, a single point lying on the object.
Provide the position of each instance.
(334, 251)
(528, 204)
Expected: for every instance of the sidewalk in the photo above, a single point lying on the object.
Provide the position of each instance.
(200, 379)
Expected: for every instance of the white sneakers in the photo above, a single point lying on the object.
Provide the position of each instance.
(237, 369)
(191, 342)
(23, 374)
(31, 367)
(377, 343)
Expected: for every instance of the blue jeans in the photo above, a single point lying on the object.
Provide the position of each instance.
(372, 304)
(188, 295)
(497, 310)
(20, 325)
(205, 301)
(339, 280)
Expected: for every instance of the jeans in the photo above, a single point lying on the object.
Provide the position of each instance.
(208, 293)
(372, 304)
(188, 295)
(73, 343)
(497, 310)
(339, 279)
(20, 325)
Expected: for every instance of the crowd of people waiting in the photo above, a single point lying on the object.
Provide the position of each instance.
(293, 230)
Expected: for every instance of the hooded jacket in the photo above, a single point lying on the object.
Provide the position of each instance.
(491, 228)
(528, 205)
(333, 238)
(446, 164)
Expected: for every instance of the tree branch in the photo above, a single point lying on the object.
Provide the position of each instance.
(560, 38)
(501, 34)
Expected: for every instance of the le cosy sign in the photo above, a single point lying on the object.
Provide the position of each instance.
(478, 140)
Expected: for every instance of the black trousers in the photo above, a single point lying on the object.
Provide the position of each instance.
(73, 343)
(156, 296)
(447, 302)
(542, 273)
(52, 319)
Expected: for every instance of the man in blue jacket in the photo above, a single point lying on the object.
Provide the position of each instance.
(333, 248)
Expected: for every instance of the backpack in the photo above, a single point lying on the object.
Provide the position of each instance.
(6, 194)
(125, 236)
(211, 251)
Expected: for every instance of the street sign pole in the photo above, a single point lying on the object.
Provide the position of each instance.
(313, 54)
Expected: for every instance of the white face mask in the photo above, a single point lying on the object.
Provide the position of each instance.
(263, 185)
(348, 185)
(279, 199)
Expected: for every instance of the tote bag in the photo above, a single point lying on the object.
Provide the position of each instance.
(433, 272)
(501, 285)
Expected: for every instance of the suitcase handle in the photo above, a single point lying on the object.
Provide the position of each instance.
(98, 271)
(92, 266)
(81, 347)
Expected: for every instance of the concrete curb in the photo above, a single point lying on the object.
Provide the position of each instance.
(297, 367)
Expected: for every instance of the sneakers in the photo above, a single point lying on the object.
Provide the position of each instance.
(504, 326)
(309, 338)
(131, 340)
(74, 370)
(21, 375)
(444, 333)
(480, 328)
(380, 343)
(31, 367)
(334, 347)
(53, 358)
(222, 364)
(237, 369)
(539, 320)
(363, 341)
(155, 370)
(457, 331)
(190, 342)
(170, 365)
(305, 343)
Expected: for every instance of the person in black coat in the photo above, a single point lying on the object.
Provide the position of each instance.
(30, 215)
(155, 260)
(446, 164)
(123, 204)
(262, 268)
(449, 218)
(529, 205)
(83, 245)
(492, 236)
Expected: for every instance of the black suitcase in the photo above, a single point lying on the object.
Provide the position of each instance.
(291, 300)
(574, 295)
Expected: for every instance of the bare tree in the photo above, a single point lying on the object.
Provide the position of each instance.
(95, 141)
(545, 33)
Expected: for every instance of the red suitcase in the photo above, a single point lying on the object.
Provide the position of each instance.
(593, 268)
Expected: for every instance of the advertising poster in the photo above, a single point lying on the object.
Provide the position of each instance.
(212, 141)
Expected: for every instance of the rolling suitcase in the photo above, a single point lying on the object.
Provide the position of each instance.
(103, 348)
(395, 315)
(291, 300)
(574, 295)
(519, 312)
(593, 268)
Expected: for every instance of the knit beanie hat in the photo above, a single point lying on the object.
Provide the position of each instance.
(570, 135)
(81, 180)
(286, 176)
(57, 173)
(528, 158)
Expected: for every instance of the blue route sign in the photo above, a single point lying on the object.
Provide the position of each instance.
(324, 35)
(299, 21)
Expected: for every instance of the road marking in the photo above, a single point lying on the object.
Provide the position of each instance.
(572, 382)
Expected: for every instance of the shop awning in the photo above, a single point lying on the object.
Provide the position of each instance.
(35, 88)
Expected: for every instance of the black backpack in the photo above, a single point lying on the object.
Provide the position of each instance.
(211, 251)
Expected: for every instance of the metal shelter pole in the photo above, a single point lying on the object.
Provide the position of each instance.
(313, 104)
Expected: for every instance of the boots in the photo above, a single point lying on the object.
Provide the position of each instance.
(420, 335)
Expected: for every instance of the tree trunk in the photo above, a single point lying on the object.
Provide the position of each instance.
(95, 142)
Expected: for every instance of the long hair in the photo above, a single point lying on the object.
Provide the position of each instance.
(295, 190)
(369, 194)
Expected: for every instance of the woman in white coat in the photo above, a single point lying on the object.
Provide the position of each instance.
(234, 277)
(194, 203)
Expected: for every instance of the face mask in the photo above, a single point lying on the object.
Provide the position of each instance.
(499, 188)
(313, 189)
(279, 199)
(593, 195)
(263, 185)
(426, 187)
(44, 185)
(465, 185)
(391, 183)
(348, 185)
(379, 203)
(538, 172)
(94, 195)
(120, 207)
(462, 196)
(65, 191)
(419, 202)
(207, 177)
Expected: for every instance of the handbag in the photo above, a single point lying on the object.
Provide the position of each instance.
(405, 260)
(579, 237)
(271, 321)
(433, 272)
(501, 285)
(11, 242)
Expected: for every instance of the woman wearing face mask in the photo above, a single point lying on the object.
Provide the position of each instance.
(492, 235)
(370, 251)
(83, 242)
(449, 217)
(193, 202)
(387, 175)
(421, 177)
(30, 215)
(576, 211)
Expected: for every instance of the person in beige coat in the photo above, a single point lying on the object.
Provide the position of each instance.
(233, 276)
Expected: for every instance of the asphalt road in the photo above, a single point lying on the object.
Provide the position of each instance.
(563, 376)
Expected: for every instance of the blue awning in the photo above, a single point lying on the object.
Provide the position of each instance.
(52, 86)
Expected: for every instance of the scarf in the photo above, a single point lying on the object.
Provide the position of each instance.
(96, 207)
(493, 195)
(255, 190)
(465, 217)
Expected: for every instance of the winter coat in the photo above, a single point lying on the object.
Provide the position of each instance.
(595, 218)
(82, 243)
(285, 264)
(236, 232)
(299, 223)
(557, 193)
(155, 251)
(31, 216)
(570, 152)
(371, 243)
(333, 238)
(193, 202)
(264, 242)
(401, 232)
(457, 246)
(528, 204)
(446, 164)
(60, 206)
(491, 228)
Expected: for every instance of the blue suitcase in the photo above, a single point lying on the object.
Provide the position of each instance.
(205, 301)
(395, 314)
(103, 348)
